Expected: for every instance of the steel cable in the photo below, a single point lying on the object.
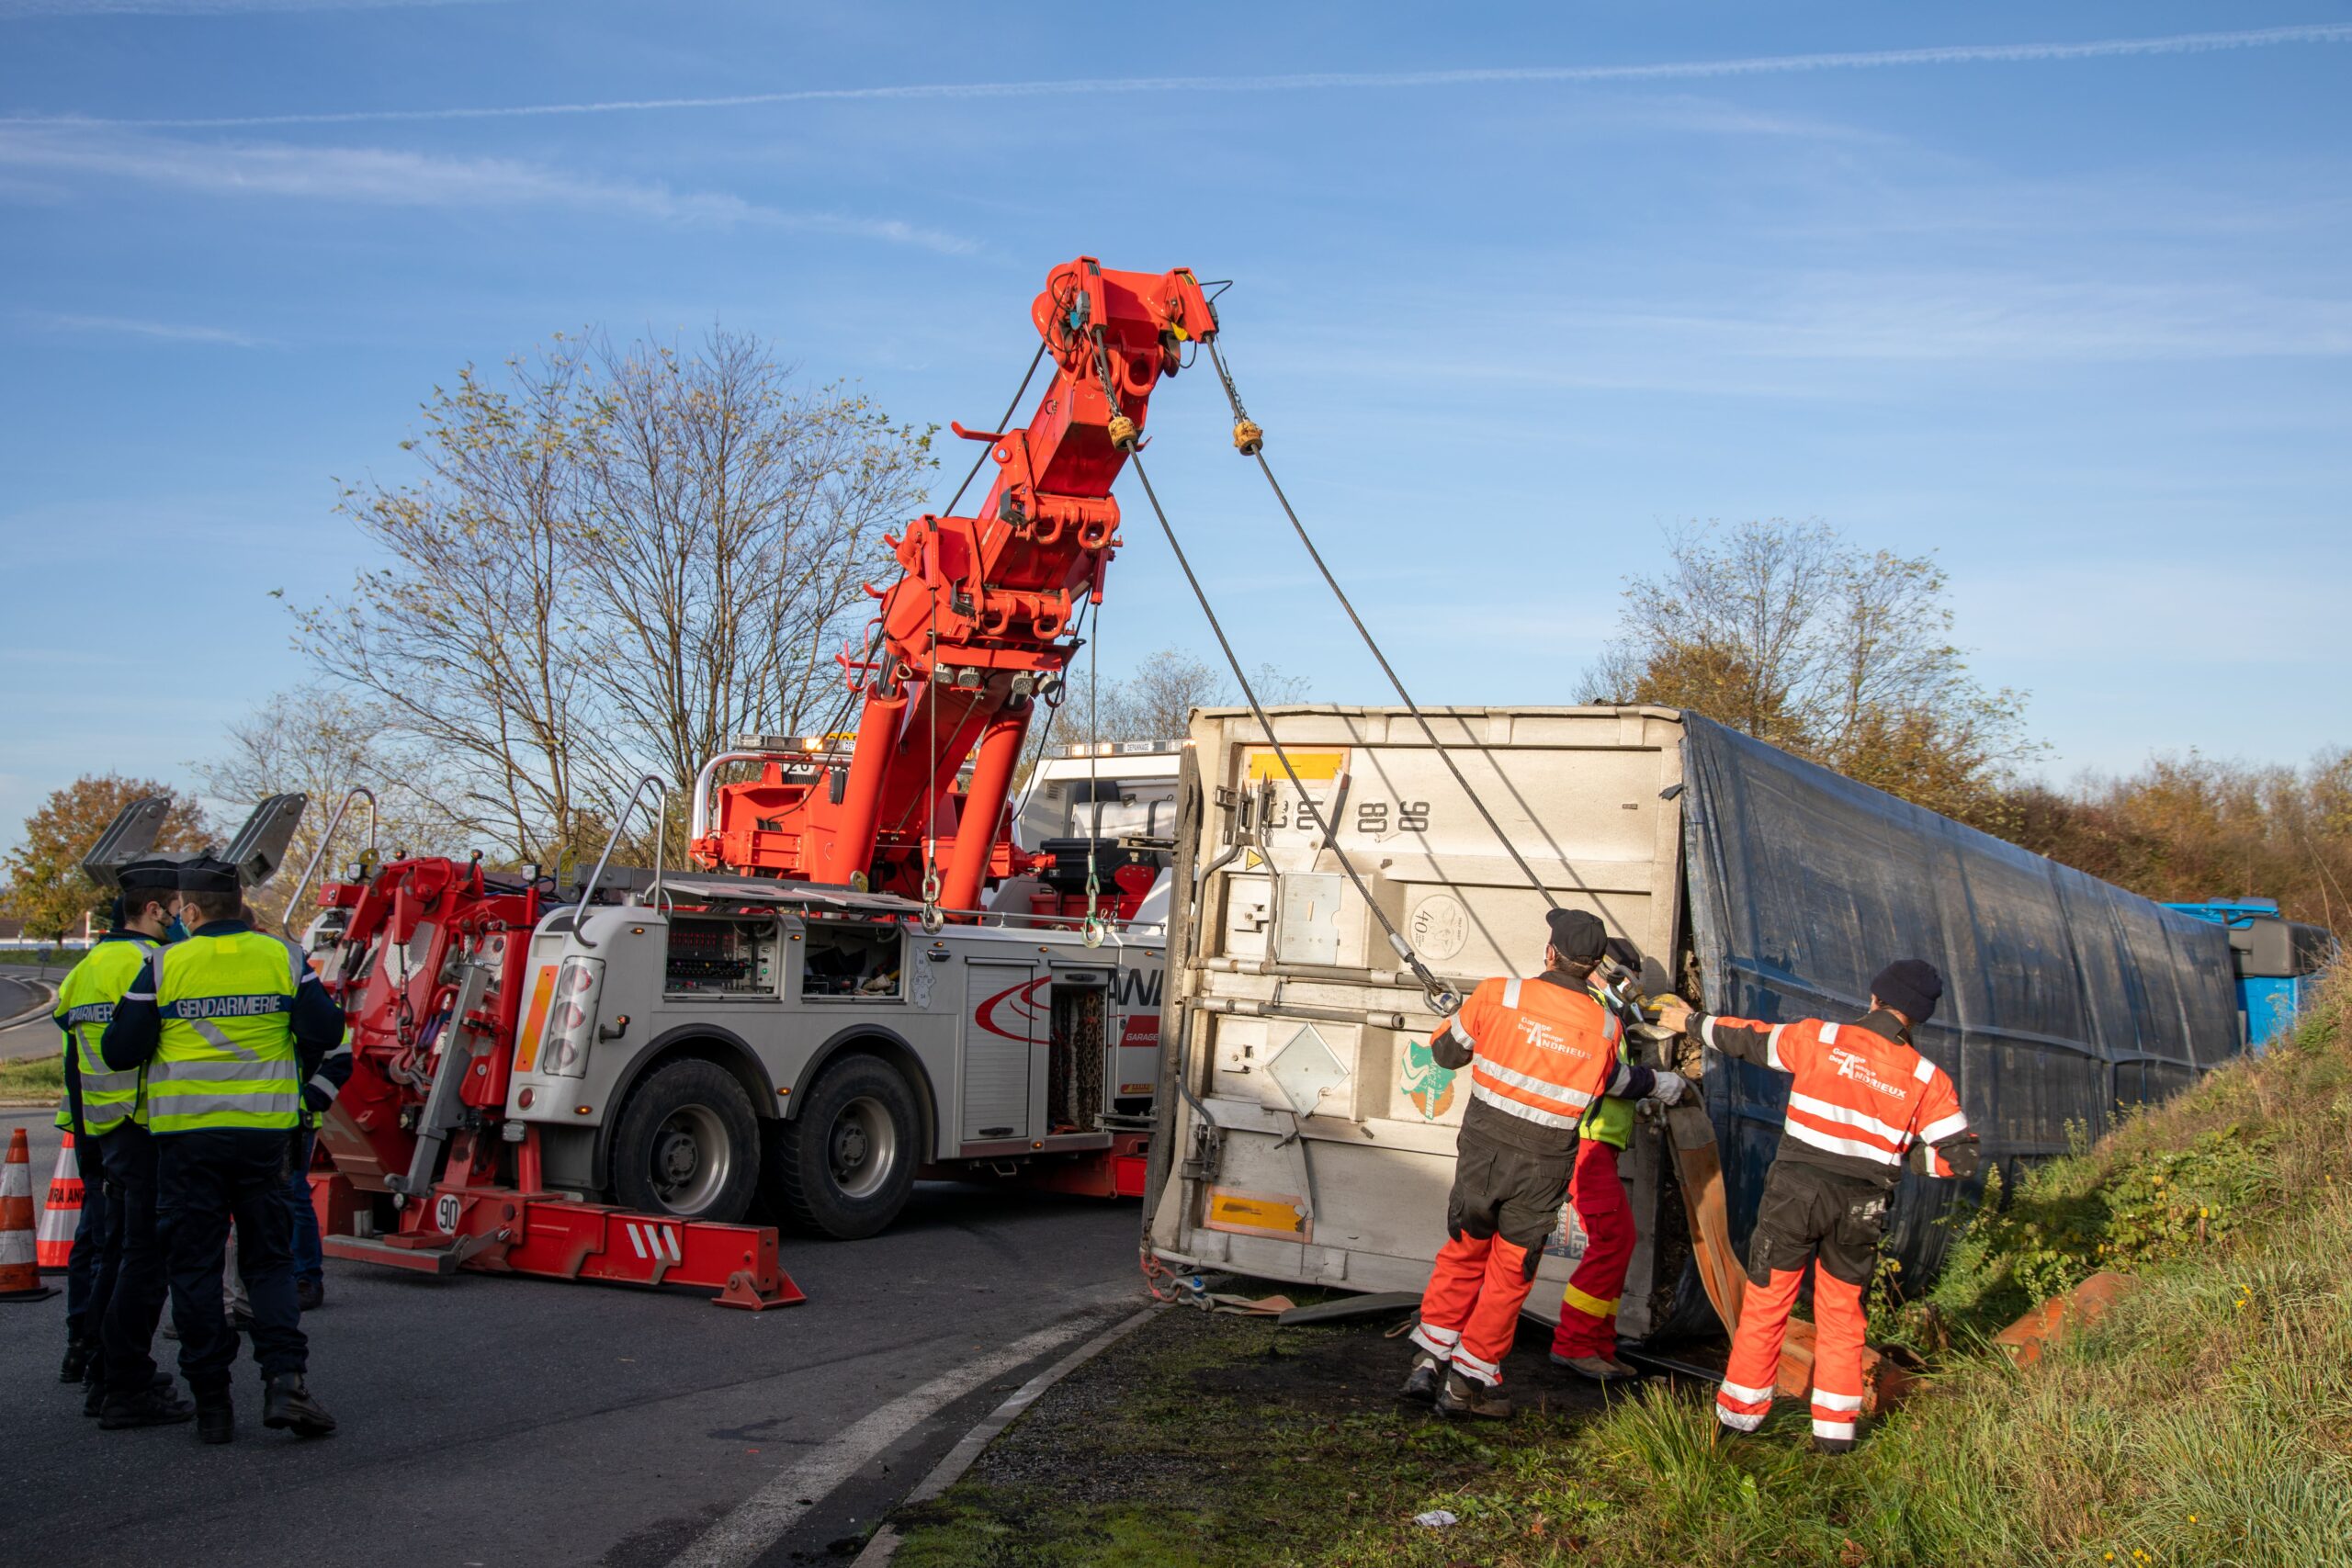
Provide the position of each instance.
(1442, 999)
(1234, 396)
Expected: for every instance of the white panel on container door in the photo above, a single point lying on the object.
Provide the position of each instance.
(1308, 929)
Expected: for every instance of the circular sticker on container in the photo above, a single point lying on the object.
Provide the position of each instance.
(1439, 926)
(445, 1209)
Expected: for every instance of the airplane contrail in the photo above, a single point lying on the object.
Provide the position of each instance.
(1317, 81)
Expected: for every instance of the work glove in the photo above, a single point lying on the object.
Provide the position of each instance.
(1670, 1087)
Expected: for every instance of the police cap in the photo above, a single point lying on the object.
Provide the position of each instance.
(203, 873)
(153, 874)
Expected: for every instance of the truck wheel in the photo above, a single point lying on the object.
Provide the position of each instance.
(688, 1145)
(843, 1165)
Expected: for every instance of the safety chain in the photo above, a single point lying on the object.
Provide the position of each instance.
(1095, 928)
(1122, 428)
(1442, 999)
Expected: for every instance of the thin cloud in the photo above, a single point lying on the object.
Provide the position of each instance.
(169, 332)
(1329, 80)
(20, 10)
(383, 176)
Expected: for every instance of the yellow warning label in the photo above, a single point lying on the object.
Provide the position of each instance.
(1311, 766)
(1280, 1215)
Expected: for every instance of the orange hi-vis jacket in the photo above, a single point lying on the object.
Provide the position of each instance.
(1861, 1098)
(1539, 1052)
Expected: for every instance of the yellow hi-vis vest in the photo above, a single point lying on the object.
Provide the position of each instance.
(227, 1056)
(84, 1005)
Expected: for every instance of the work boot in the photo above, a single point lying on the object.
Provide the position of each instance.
(148, 1407)
(1421, 1382)
(1833, 1445)
(309, 1295)
(93, 1394)
(77, 1361)
(216, 1418)
(1600, 1369)
(285, 1403)
(1465, 1396)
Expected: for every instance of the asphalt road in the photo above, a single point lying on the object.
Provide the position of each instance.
(21, 990)
(502, 1421)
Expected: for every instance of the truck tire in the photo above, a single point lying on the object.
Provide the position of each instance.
(843, 1165)
(688, 1144)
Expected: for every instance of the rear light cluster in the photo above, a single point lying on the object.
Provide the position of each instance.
(571, 1018)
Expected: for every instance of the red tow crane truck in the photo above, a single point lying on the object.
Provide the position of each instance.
(607, 1079)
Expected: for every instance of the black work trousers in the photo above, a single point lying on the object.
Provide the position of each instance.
(203, 1181)
(97, 1245)
(125, 1324)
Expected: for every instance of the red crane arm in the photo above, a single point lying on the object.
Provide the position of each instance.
(972, 634)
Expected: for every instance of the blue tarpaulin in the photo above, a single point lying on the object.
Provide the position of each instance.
(2063, 995)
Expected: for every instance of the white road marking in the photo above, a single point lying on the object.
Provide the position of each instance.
(762, 1519)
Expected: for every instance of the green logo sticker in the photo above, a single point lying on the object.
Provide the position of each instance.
(1429, 1086)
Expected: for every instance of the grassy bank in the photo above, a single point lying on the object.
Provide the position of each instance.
(2206, 1420)
(34, 1077)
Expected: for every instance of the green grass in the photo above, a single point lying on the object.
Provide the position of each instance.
(2206, 1420)
(33, 1078)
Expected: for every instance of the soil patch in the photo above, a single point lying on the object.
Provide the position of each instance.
(1214, 1440)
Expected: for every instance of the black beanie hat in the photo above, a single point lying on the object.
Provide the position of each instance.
(1577, 936)
(1911, 986)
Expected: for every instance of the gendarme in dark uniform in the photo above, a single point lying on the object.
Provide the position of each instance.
(227, 1025)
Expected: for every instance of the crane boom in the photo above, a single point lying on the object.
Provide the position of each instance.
(979, 628)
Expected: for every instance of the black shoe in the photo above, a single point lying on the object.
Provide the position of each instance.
(77, 1361)
(94, 1397)
(216, 1418)
(285, 1403)
(1833, 1445)
(1421, 1382)
(309, 1295)
(149, 1407)
(1461, 1397)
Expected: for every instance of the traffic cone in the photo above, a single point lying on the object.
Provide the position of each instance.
(19, 1275)
(61, 1216)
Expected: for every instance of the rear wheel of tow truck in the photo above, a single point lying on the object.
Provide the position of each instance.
(688, 1145)
(843, 1164)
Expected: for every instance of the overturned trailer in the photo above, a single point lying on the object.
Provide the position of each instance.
(1306, 1134)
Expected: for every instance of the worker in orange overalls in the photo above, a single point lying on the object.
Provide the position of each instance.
(1586, 1340)
(1861, 1100)
(1540, 1052)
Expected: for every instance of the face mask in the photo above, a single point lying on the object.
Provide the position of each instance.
(175, 930)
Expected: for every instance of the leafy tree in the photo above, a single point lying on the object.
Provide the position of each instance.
(1787, 632)
(47, 889)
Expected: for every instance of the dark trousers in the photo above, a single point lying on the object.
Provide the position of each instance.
(310, 1255)
(98, 1245)
(204, 1180)
(127, 1330)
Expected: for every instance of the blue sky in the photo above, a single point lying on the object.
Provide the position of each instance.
(1519, 289)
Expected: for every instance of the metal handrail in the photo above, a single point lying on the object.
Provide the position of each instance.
(294, 900)
(587, 893)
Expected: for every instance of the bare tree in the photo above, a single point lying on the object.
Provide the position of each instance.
(473, 642)
(614, 561)
(321, 743)
(1787, 632)
(733, 520)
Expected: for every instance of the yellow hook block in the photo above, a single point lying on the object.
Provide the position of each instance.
(1248, 438)
(1123, 433)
